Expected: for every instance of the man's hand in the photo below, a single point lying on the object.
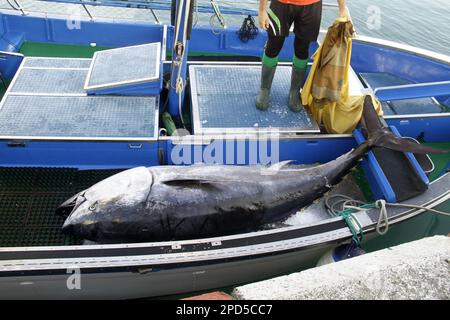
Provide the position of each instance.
(263, 19)
(343, 12)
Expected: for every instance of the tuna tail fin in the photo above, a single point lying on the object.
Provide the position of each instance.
(386, 139)
(380, 136)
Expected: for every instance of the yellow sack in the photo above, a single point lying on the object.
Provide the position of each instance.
(341, 117)
(326, 90)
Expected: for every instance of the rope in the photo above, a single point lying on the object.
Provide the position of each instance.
(179, 83)
(411, 206)
(354, 225)
(383, 220)
(248, 30)
(196, 16)
(217, 14)
(345, 207)
(17, 6)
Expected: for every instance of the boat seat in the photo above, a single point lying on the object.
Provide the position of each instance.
(11, 41)
(132, 70)
(223, 100)
(400, 107)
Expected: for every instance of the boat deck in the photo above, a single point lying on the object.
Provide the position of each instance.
(29, 197)
(222, 96)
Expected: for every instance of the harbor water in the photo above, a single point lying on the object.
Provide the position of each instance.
(423, 24)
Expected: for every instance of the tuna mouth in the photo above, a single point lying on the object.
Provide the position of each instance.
(67, 229)
(70, 205)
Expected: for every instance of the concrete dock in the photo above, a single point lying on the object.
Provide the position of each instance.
(415, 270)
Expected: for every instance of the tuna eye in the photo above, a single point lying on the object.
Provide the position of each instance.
(93, 207)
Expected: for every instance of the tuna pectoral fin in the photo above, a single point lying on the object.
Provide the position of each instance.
(386, 139)
(70, 204)
(193, 183)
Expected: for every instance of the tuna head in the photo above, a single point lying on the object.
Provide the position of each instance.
(113, 199)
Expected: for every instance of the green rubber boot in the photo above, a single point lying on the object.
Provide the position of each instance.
(297, 82)
(263, 98)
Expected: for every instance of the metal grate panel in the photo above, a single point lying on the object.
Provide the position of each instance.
(69, 63)
(79, 117)
(49, 81)
(124, 66)
(224, 97)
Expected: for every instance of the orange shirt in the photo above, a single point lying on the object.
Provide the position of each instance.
(299, 2)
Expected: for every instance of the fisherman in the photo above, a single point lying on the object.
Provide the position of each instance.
(306, 15)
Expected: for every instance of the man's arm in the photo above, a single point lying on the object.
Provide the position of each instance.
(263, 17)
(342, 8)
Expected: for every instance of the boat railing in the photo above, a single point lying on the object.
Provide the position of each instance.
(413, 91)
(152, 7)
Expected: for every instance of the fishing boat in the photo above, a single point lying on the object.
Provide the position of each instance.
(89, 97)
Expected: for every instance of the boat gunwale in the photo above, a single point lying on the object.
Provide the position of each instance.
(10, 53)
(398, 46)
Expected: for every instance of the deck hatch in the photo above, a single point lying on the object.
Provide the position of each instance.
(78, 117)
(223, 99)
(70, 63)
(49, 81)
(122, 67)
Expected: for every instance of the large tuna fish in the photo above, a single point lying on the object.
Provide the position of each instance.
(165, 203)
